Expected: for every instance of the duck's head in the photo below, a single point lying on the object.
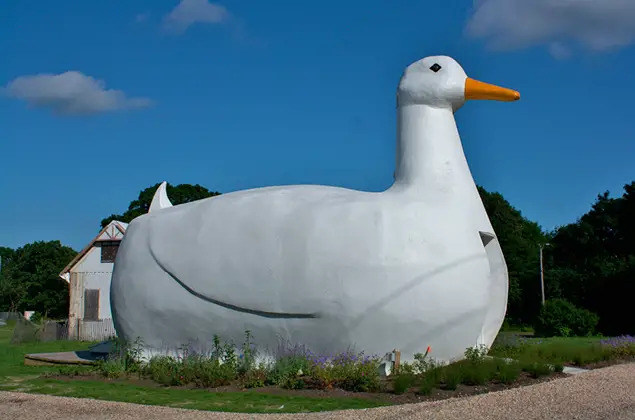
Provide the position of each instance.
(440, 81)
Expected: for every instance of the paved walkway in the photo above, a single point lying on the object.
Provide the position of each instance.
(68, 357)
(607, 393)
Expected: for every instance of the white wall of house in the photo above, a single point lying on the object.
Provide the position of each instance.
(89, 286)
(96, 275)
(101, 282)
(91, 263)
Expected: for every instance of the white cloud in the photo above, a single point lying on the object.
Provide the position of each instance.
(596, 25)
(70, 93)
(189, 12)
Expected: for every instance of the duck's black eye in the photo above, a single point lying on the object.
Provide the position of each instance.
(435, 67)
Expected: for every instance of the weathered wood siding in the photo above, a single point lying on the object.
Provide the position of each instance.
(97, 330)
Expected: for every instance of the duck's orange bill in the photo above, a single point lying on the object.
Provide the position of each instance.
(479, 90)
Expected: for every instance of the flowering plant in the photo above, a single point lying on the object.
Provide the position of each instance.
(348, 370)
(622, 346)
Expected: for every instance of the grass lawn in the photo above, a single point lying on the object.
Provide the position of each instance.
(12, 356)
(14, 376)
(579, 351)
(576, 342)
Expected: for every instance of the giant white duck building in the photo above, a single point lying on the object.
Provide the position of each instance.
(332, 268)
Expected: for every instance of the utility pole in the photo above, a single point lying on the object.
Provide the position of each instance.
(542, 275)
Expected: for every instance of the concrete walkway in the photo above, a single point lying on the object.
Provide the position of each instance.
(607, 393)
(82, 357)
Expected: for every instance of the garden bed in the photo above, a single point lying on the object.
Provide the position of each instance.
(228, 378)
(296, 371)
(300, 373)
(387, 395)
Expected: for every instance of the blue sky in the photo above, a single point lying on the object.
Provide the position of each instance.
(102, 99)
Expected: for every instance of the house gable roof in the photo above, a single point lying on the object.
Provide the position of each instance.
(114, 231)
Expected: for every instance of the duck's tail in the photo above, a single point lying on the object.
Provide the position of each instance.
(160, 199)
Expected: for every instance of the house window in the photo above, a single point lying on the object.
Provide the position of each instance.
(91, 304)
(109, 251)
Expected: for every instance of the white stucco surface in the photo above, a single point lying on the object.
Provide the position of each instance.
(100, 281)
(91, 262)
(96, 275)
(414, 266)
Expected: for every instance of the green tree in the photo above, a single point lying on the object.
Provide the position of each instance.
(559, 317)
(29, 279)
(182, 193)
(11, 291)
(593, 261)
(520, 240)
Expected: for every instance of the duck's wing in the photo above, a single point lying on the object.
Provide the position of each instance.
(221, 247)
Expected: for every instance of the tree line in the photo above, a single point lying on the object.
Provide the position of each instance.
(589, 263)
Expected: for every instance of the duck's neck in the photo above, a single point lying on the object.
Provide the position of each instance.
(430, 156)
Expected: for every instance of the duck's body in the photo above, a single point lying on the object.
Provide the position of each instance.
(414, 266)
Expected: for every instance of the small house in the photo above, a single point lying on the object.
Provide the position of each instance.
(89, 275)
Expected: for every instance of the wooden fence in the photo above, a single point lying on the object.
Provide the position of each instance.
(102, 329)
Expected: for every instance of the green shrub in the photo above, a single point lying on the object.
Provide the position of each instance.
(347, 370)
(292, 382)
(508, 372)
(475, 369)
(508, 346)
(477, 373)
(559, 317)
(165, 370)
(71, 370)
(406, 368)
(286, 369)
(452, 376)
(229, 357)
(211, 373)
(431, 378)
(254, 378)
(476, 354)
(402, 382)
(360, 380)
(536, 369)
(421, 363)
(428, 370)
(434, 374)
(558, 367)
(111, 368)
(427, 385)
(128, 353)
(247, 359)
(592, 354)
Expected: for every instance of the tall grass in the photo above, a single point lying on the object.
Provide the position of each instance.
(579, 351)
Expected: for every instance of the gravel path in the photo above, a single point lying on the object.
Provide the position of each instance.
(607, 393)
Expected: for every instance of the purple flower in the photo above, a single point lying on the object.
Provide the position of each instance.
(620, 341)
